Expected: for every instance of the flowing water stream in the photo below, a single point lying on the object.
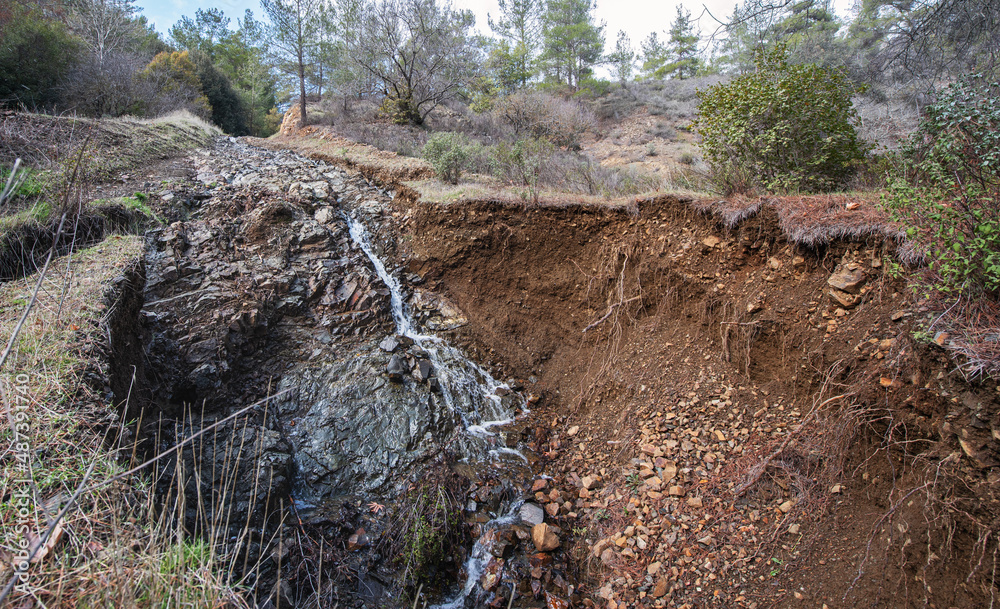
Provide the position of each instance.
(467, 389)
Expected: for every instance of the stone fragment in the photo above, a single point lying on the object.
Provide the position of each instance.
(669, 471)
(324, 215)
(389, 344)
(794, 529)
(787, 506)
(531, 513)
(711, 242)
(676, 491)
(844, 299)
(544, 538)
(539, 484)
(539, 560)
(552, 509)
(492, 573)
(573, 431)
(694, 502)
(396, 368)
(660, 589)
(554, 602)
(358, 540)
(847, 280)
(606, 592)
(423, 370)
(589, 482)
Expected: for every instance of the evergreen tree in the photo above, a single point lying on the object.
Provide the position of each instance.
(654, 55)
(327, 51)
(623, 59)
(226, 104)
(292, 34)
(350, 78)
(807, 28)
(244, 59)
(203, 33)
(573, 43)
(36, 54)
(682, 48)
(810, 29)
(520, 29)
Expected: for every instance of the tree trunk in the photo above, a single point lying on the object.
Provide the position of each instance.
(302, 88)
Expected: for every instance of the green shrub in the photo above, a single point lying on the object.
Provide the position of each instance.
(36, 54)
(947, 196)
(783, 127)
(449, 153)
(522, 164)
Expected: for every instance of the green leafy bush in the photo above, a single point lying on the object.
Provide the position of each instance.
(449, 153)
(522, 164)
(948, 193)
(781, 128)
(36, 54)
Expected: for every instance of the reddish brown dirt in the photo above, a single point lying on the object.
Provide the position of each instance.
(729, 339)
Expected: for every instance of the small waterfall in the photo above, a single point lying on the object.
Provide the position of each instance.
(466, 387)
(479, 557)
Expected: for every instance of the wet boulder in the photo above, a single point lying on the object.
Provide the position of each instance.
(396, 368)
(355, 433)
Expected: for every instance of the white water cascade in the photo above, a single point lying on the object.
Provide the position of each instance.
(479, 557)
(467, 389)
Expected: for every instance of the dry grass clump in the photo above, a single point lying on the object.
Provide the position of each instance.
(820, 219)
(812, 220)
(114, 145)
(70, 453)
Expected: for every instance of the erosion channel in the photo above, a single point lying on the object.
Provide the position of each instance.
(659, 402)
(374, 443)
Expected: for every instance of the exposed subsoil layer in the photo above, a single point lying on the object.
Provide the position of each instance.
(721, 426)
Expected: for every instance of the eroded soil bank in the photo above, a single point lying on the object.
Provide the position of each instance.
(717, 417)
(728, 418)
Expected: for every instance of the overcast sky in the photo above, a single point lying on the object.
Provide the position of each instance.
(636, 17)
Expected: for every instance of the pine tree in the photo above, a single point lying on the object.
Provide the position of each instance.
(292, 33)
(519, 26)
(573, 44)
(654, 55)
(623, 59)
(682, 48)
